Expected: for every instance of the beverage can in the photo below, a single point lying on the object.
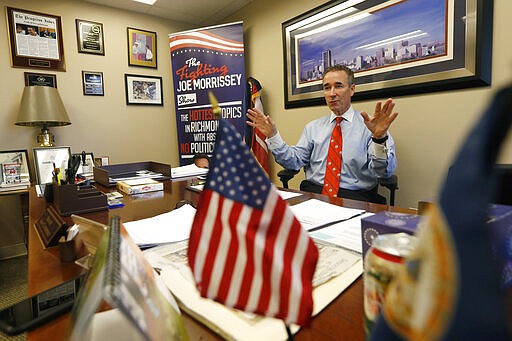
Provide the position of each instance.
(383, 260)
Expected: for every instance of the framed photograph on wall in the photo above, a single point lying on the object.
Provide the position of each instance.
(41, 79)
(47, 159)
(143, 89)
(89, 36)
(14, 170)
(35, 40)
(92, 83)
(394, 47)
(142, 48)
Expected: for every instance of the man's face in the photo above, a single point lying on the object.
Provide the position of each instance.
(337, 92)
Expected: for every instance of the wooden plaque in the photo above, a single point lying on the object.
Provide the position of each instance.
(50, 227)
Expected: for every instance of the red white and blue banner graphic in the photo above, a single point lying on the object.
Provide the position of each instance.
(203, 60)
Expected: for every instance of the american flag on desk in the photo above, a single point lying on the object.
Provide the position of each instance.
(246, 248)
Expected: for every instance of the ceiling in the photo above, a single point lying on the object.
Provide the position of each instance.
(193, 12)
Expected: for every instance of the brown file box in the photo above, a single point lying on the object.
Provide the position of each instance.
(69, 199)
(105, 174)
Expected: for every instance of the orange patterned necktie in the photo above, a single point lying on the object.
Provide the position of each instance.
(333, 166)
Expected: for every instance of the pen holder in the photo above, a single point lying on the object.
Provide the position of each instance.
(72, 198)
(68, 250)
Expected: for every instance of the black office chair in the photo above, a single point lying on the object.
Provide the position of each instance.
(390, 183)
(503, 191)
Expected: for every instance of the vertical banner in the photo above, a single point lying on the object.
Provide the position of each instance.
(203, 60)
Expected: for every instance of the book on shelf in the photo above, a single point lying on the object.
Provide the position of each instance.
(121, 278)
(138, 186)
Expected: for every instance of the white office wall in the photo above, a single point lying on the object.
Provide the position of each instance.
(429, 128)
(104, 125)
(428, 131)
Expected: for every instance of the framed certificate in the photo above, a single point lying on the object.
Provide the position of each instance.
(47, 159)
(89, 36)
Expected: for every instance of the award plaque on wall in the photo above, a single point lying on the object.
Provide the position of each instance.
(89, 36)
(35, 40)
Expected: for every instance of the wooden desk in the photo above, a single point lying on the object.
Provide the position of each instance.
(341, 320)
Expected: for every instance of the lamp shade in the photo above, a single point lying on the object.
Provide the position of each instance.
(41, 106)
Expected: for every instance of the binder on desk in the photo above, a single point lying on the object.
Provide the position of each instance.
(124, 280)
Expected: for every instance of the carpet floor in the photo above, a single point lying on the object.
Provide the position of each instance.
(13, 287)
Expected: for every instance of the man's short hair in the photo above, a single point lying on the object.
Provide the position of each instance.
(343, 68)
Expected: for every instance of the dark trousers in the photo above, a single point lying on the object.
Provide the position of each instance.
(371, 195)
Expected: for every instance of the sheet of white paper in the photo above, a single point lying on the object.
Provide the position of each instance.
(346, 234)
(168, 227)
(188, 170)
(339, 268)
(314, 212)
(287, 195)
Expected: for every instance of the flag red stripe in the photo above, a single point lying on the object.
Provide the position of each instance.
(248, 276)
(212, 250)
(197, 231)
(225, 283)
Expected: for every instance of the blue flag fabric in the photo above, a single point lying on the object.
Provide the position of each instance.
(452, 281)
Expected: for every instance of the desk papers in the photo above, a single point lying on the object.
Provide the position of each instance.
(168, 227)
(188, 170)
(346, 234)
(313, 213)
(336, 270)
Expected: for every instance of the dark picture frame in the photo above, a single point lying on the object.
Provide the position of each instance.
(89, 37)
(40, 79)
(14, 168)
(89, 162)
(92, 83)
(28, 32)
(46, 157)
(143, 90)
(388, 60)
(141, 48)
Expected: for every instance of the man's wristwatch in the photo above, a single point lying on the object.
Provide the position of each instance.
(381, 140)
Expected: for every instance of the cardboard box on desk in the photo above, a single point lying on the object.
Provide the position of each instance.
(386, 222)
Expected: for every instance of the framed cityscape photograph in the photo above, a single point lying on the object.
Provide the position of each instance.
(92, 83)
(143, 90)
(394, 47)
(35, 40)
(40, 79)
(89, 36)
(14, 170)
(142, 48)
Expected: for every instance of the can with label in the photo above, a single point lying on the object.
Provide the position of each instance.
(384, 258)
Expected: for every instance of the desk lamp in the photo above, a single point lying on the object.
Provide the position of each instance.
(42, 106)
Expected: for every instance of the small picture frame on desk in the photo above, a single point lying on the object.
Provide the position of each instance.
(40, 79)
(14, 170)
(45, 159)
(89, 163)
(92, 83)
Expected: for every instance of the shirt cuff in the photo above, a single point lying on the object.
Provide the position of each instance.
(274, 141)
(380, 150)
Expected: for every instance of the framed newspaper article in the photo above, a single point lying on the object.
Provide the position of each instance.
(35, 40)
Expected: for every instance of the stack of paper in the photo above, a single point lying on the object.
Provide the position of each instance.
(188, 170)
(168, 227)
